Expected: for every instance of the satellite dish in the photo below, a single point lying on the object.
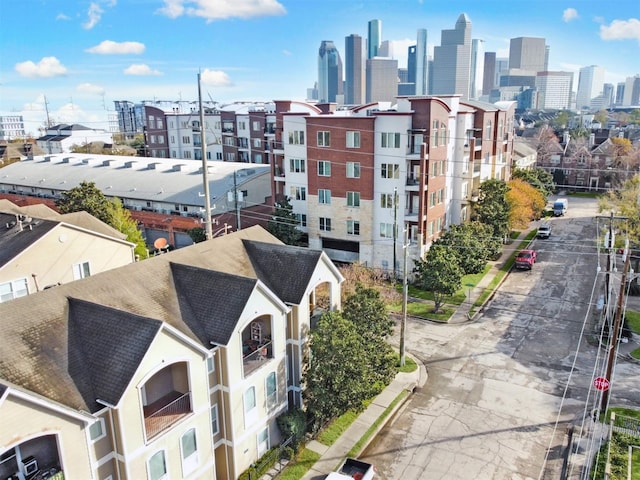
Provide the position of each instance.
(160, 243)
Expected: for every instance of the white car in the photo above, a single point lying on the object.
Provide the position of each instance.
(544, 230)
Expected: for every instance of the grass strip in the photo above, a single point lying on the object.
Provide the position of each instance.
(296, 469)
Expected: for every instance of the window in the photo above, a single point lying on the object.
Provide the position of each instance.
(13, 289)
(161, 139)
(187, 154)
(211, 364)
(353, 199)
(325, 224)
(353, 169)
(301, 218)
(97, 430)
(434, 133)
(157, 466)
(353, 227)
(432, 199)
(173, 139)
(81, 270)
(324, 139)
(186, 140)
(230, 141)
(324, 196)
(230, 157)
(215, 428)
(488, 130)
(324, 168)
(250, 410)
(390, 170)
(263, 442)
(440, 196)
(443, 134)
(434, 168)
(386, 200)
(430, 229)
(353, 139)
(256, 126)
(218, 155)
(271, 390)
(390, 140)
(257, 143)
(242, 125)
(386, 230)
(296, 137)
(189, 449)
(299, 193)
(296, 165)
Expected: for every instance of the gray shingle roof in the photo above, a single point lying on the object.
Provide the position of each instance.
(15, 238)
(286, 270)
(105, 348)
(200, 290)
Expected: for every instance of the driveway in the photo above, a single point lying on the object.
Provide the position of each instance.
(502, 390)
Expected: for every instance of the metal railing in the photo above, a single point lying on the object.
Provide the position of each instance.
(166, 416)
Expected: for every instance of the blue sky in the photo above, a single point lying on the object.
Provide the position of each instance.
(83, 55)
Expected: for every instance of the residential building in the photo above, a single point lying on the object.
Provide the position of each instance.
(554, 90)
(329, 72)
(529, 54)
(374, 37)
(354, 81)
(155, 133)
(130, 117)
(590, 86)
(60, 138)
(421, 63)
(452, 60)
(477, 68)
(381, 79)
(11, 127)
(364, 175)
(41, 248)
(178, 372)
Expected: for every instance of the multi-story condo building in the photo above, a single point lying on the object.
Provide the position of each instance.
(176, 367)
(358, 178)
(11, 127)
(452, 60)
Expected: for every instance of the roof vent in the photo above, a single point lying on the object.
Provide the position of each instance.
(177, 168)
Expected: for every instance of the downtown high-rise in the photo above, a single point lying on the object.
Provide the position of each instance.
(354, 82)
(329, 72)
(590, 84)
(452, 60)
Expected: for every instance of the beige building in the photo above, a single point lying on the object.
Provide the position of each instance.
(40, 248)
(174, 367)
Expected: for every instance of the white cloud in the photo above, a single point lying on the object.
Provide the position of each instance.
(94, 14)
(215, 78)
(140, 69)
(621, 30)
(62, 16)
(286, 52)
(45, 68)
(109, 47)
(222, 9)
(90, 88)
(569, 14)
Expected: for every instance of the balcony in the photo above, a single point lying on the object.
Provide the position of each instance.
(256, 358)
(164, 412)
(34, 459)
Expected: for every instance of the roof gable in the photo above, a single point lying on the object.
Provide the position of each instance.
(105, 348)
(211, 302)
(284, 269)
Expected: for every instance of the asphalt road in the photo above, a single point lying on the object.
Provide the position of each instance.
(502, 390)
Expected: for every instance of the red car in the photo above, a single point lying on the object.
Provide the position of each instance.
(526, 259)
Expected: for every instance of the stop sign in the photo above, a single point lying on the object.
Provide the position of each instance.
(601, 383)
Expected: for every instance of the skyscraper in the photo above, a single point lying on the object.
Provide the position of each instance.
(452, 60)
(411, 66)
(590, 83)
(489, 74)
(374, 38)
(329, 72)
(382, 79)
(554, 89)
(354, 70)
(477, 68)
(422, 63)
(528, 53)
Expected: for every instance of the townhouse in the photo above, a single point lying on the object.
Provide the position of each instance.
(40, 248)
(367, 180)
(178, 372)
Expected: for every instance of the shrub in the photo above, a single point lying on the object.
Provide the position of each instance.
(293, 424)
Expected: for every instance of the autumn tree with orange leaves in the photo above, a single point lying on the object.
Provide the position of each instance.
(525, 203)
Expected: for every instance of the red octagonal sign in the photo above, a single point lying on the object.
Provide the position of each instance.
(601, 383)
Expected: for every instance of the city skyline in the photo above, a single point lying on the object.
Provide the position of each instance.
(82, 57)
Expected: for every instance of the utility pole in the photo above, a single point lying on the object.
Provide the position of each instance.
(395, 232)
(405, 295)
(205, 170)
(237, 205)
(613, 338)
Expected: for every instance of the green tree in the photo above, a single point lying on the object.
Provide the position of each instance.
(438, 273)
(625, 202)
(561, 119)
(283, 223)
(368, 312)
(338, 377)
(197, 234)
(602, 117)
(492, 208)
(120, 219)
(472, 244)
(538, 178)
(85, 197)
